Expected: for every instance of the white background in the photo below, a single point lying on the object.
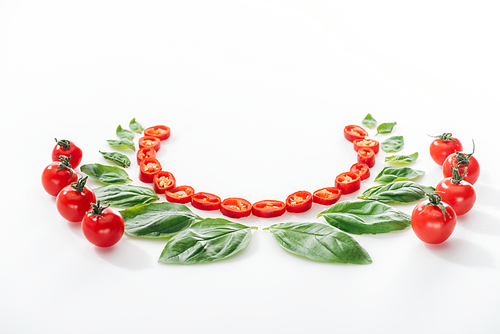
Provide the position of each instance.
(256, 94)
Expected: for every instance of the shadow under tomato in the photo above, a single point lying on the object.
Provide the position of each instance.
(480, 220)
(463, 252)
(125, 255)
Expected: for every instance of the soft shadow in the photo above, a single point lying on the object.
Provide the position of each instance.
(125, 255)
(463, 253)
(480, 221)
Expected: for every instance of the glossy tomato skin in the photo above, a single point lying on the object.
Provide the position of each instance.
(103, 230)
(327, 195)
(299, 201)
(54, 180)
(205, 201)
(460, 196)
(73, 204)
(268, 208)
(473, 169)
(161, 132)
(430, 224)
(441, 149)
(235, 207)
(68, 149)
(366, 155)
(352, 132)
(348, 182)
(180, 194)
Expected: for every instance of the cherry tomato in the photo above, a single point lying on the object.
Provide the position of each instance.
(180, 194)
(299, 201)
(145, 152)
(459, 194)
(57, 175)
(352, 132)
(148, 141)
(367, 156)
(148, 168)
(367, 143)
(161, 132)
(461, 161)
(68, 149)
(362, 169)
(433, 221)
(326, 196)
(74, 201)
(268, 208)
(443, 146)
(348, 182)
(235, 207)
(205, 201)
(163, 181)
(103, 226)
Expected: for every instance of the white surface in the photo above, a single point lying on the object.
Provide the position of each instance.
(257, 94)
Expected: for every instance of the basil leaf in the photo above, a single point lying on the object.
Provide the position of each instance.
(208, 240)
(369, 121)
(157, 220)
(392, 174)
(118, 158)
(134, 126)
(122, 144)
(125, 196)
(393, 144)
(362, 217)
(319, 242)
(105, 174)
(124, 134)
(402, 159)
(385, 127)
(400, 192)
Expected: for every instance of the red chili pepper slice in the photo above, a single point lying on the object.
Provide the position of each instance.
(352, 132)
(362, 169)
(148, 168)
(163, 181)
(268, 208)
(180, 194)
(326, 196)
(205, 201)
(161, 132)
(367, 143)
(366, 155)
(348, 182)
(235, 207)
(299, 201)
(148, 141)
(145, 152)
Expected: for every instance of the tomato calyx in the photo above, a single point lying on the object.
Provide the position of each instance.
(97, 209)
(456, 177)
(464, 159)
(446, 137)
(435, 200)
(64, 143)
(65, 164)
(80, 184)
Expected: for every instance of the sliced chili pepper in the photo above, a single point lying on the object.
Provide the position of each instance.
(205, 201)
(366, 155)
(180, 194)
(268, 208)
(163, 181)
(352, 132)
(161, 132)
(148, 168)
(145, 152)
(348, 182)
(326, 196)
(362, 169)
(148, 141)
(235, 207)
(368, 143)
(299, 201)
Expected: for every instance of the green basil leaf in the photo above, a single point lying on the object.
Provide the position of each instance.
(393, 144)
(385, 127)
(392, 174)
(363, 217)
(157, 220)
(402, 159)
(118, 158)
(399, 192)
(369, 121)
(105, 174)
(124, 134)
(134, 126)
(208, 240)
(122, 144)
(319, 242)
(125, 196)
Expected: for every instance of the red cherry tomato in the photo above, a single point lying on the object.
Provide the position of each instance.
(348, 182)
(180, 194)
(433, 221)
(461, 161)
(148, 141)
(299, 201)
(268, 208)
(326, 196)
(367, 156)
(362, 169)
(68, 149)
(367, 143)
(148, 168)
(352, 132)
(443, 146)
(145, 152)
(74, 201)
(57, 175)
(163, 181)
(459, 194)
(103, 226)
(205, 201)
(235, 207)
(161, 132)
